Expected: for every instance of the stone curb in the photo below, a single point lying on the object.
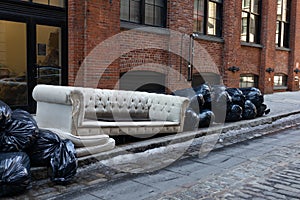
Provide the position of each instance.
(228, 134)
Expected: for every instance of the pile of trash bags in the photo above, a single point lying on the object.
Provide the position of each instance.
(217, 103)
(23, 144)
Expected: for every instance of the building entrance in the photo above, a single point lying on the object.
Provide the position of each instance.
(32, 51)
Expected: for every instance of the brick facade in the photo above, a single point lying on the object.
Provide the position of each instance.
(107, 47)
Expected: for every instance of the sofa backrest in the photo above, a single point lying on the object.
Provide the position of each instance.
(116, 105)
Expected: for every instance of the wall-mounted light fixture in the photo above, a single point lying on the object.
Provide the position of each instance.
(234, 69)
(296, 70)
(269, 70)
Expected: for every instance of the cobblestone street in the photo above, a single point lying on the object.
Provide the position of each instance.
(273, 173)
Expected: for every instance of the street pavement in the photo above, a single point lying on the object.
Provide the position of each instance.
(244, 159)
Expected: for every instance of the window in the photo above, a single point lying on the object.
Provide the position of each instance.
(207, 17)
(282, 23)
(248, 80)
(148, 12)
(57, 3)
(250, 21)
(280, 80)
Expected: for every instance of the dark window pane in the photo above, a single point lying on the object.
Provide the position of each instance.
(159, 3)
(135, 11)
(125, 10)
(149, 14)
(158, 18)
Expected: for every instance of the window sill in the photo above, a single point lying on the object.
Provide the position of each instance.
(251, 44)
(283, 49)
(280, 88)
(144, 28)
(208, 38)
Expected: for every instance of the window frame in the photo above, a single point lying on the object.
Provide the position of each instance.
(142, 13)
(249, 12)
(218, 18)
(283, 81)
(248, 83)
(282, 36)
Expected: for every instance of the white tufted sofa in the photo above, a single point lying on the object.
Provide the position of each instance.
(88, 116)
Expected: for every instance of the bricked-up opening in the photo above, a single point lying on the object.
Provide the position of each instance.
(146, 81)
(209, 78)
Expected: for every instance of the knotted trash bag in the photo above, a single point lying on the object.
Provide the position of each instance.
(64, 162)
(191, 120)
(15, 174)
(49, 150)
(5, 114)
(20, 133)
(254, 95)
(206, 117)
(205, 90)
(234, 113)
(249, 111)
(221, 102)
(261, 110)
(41, 151)
(237, 96)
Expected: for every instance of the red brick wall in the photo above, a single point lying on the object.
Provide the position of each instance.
(93, 22)
(294, 59)
(90, 23)
(282, 62)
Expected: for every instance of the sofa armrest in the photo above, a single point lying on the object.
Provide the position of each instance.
(59, 107)
(168, 108)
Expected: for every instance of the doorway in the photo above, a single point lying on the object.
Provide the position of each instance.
(33, 50)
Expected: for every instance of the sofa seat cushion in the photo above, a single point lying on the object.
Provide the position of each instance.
(103, 124)
(136, 129)
(82, 141)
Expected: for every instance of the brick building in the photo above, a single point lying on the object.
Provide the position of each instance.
(152, 45)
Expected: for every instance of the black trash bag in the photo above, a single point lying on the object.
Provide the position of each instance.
(249, 111)
(196, 103)
(205, 90)
(15, 173)
(20, 133)
(261, 110)
(234, 114)
(41, 151)
(191, 120)
(5, 115)
(237, 96)
(221, 102)
(64, 162)
(206, 117)
(24, 116)
(254, 95)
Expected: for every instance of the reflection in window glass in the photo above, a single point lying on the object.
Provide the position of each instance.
(282, 23)
(280, 80)
(149, 12)
(207, 17)
(58, 3)
(48, 54)
(248, 80)
(13, 63)
(250, 21)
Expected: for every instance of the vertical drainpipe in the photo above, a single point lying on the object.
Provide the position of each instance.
(191, 58)
(85, 42)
